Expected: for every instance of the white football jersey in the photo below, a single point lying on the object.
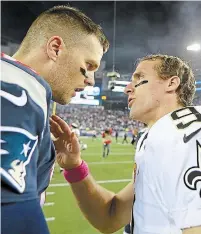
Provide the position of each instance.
(168, 174)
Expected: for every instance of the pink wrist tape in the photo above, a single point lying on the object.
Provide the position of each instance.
(77, 174)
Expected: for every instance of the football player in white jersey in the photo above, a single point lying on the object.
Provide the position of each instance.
(165, 197)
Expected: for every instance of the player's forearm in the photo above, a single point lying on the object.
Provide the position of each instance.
(97, 204)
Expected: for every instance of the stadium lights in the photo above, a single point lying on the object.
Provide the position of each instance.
(122, 82)
(117, 86)
(118, 89)
(194, 47)
(113, 75)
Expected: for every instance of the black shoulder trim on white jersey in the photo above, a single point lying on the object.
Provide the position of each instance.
(145, 137)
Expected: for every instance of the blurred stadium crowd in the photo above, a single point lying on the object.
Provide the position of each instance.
(97, 118)
(90, 118)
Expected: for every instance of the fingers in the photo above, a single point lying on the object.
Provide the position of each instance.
(62, 124)
(69, 147)
(53, 137)
(75, 143)
(55, 128)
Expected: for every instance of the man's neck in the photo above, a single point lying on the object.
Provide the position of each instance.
(31, 60)
(162, 111)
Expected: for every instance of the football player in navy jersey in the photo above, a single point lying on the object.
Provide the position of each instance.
(58, 56)
(165, 194)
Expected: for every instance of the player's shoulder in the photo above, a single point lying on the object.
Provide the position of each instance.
(180, 125)
(14, 72)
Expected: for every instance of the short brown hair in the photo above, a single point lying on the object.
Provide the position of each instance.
(64, 17)
(173, 66)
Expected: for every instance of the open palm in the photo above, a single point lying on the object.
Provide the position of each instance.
(66, 144)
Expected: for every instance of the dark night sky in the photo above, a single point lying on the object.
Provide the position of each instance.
(141, 27)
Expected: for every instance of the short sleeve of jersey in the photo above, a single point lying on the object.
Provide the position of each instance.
(168, 182)
(181, 169)
(25, 99)
(176, 167)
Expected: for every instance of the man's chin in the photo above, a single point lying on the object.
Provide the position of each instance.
(134, 115)
(62, 100)
(65, 101)
(131, 116)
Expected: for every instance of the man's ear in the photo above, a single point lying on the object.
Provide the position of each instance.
(173, 83)
(55, 45)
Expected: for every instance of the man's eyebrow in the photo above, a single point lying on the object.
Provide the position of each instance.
(94, 63)
(137, 75)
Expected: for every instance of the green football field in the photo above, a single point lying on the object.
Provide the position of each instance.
(61, 211)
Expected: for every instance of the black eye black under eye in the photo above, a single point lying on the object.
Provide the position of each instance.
(83, 71)
(141, 83)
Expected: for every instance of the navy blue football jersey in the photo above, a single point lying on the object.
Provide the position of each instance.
(27, 151)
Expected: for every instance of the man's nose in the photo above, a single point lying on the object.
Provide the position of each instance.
(90, 81)
(129, 89)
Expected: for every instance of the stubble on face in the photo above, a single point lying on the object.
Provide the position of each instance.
(66, 75)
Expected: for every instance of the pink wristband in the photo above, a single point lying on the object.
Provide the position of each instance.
(77, 174)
